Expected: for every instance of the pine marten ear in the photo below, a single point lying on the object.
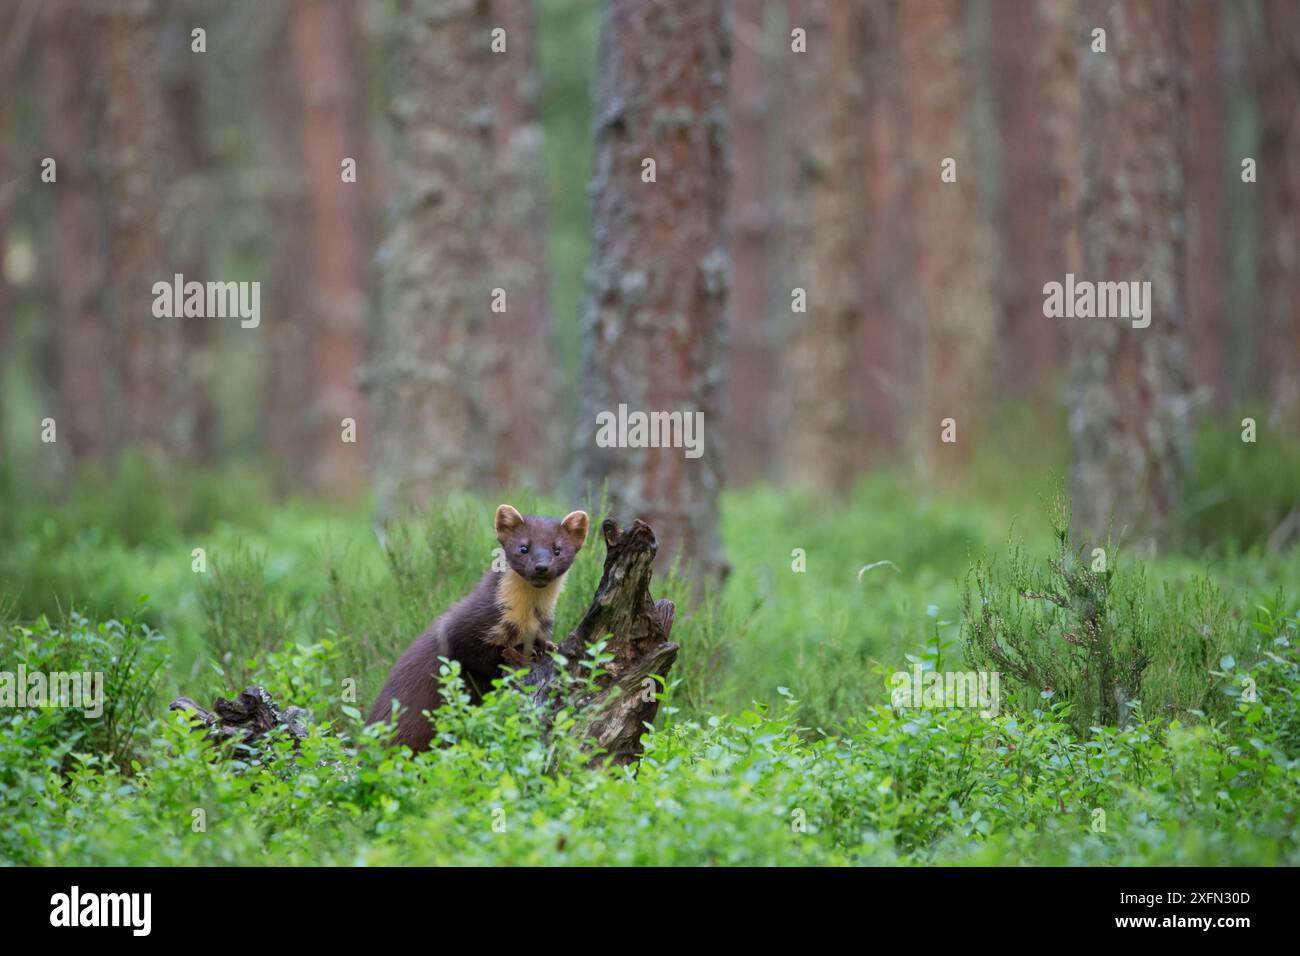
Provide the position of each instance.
(575, 526)
(506, 521)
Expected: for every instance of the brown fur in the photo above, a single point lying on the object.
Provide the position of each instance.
(507, 618)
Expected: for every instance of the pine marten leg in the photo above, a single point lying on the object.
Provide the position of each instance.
(515, 656)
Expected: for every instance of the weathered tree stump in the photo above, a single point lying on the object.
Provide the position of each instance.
(615, 713)
(638, 627)
(251, 715)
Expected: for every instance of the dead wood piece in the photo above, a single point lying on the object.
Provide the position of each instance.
(251, 715)
(638, 630)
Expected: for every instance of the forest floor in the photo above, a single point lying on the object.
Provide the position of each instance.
(777, 741)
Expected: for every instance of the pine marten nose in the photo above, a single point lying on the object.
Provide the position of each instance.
(541, 570)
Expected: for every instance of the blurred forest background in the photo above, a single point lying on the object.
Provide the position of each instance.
(802, 270)
(838, 258)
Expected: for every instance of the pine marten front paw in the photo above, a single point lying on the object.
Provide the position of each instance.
(515, 656)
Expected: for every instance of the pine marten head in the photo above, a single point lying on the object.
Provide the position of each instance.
(540, 550)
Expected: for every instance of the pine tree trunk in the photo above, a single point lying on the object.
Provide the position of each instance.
(325, 66)
(820, 424)
(1277, 333)
(1029, 341)
(655, 310)
(881, 389)
(523, 435)
(949, 314)
(279, 187)
(156, 412)
(192, 210)
(433, 420)
(750, 353)
(86, 420)
(8, 192)
(1131, 386)
(1210, 173)
(1061, 103)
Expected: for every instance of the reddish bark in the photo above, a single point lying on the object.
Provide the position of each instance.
(432, 362)
(1131, 388)
(653, 321)
(1025, 197)
(881, 387)
(1061, 46)
(190, 216)
(750, 354)
(1209, 169)
(819, 418)
(84, 361)
(156, 413)
(947, 247)
(325, 66)
(285, 384)
(1277, 332)
(520, 372)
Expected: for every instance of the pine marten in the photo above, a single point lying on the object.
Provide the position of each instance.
(508, 618)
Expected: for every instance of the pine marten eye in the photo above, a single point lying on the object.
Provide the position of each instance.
(555, 550)
(523, 549)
